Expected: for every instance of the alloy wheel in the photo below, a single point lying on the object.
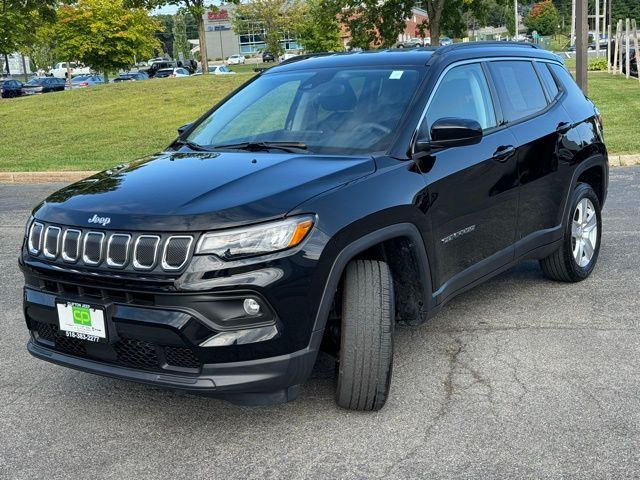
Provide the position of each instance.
(584, 232)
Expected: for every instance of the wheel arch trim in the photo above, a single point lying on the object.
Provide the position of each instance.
(597, 160)
(363, 243)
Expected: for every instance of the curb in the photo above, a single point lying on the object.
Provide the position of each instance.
(624, 160)
(44, 177)
(74, 176)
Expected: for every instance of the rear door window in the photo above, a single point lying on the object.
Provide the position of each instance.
(519, 88)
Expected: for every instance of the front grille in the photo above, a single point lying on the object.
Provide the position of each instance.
(51, 241)
(128, 352)
(35, 238)
(176, 252)
(93, 248)
(145, 251)
(71, 245)
(117, 250)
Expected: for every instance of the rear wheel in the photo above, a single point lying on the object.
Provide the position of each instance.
(576, 258)
(366, 343)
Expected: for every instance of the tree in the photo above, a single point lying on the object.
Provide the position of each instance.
(543, 18)
(375, 24)
(180, 41)
(18, 21)
(278, 18)
(321, 29)
(104, 34)
(196, 8)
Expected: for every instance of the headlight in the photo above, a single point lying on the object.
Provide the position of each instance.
(256, 240)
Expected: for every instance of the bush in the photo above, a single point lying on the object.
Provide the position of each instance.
(597, 64)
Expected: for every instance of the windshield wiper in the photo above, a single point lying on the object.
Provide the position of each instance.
(196, 146)
(291, 147)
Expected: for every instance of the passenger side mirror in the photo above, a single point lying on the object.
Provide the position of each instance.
(450, 132)
(184, 128)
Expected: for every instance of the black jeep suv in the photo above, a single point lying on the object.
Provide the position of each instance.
(322, 202)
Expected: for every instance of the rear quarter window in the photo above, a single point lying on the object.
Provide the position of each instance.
(519, 88)
(549, 82)
(565, 78)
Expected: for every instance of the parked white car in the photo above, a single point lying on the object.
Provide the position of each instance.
(236, 59)
(171, 73)
(216, 70)
(287, 56)
(60, 70)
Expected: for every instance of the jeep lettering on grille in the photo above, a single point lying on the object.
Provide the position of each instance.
(104, 221)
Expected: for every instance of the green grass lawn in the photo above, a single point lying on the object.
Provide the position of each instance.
(618, 99)
(99, 127)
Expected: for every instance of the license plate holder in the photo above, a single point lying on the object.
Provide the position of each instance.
(82, 321)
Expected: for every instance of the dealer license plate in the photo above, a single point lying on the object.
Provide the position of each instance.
(81, 321)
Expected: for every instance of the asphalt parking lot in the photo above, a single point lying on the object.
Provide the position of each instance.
(518, 378)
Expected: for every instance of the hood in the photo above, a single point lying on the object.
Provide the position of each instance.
(200, 191)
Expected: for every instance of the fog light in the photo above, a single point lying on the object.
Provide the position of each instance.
(251, 306)
(241, 337)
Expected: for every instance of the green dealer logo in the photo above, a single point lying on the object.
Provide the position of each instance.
(81, 316)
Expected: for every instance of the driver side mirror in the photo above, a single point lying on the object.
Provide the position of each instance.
(450, 132)
(184, 128)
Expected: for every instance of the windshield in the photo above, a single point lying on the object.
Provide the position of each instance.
(342, 111)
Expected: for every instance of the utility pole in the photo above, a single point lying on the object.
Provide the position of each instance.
(597, 28)
(582, 35)
(573, 23)
(515, 28)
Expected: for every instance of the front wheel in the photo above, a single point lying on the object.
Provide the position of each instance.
(576, 258)
(366, 341)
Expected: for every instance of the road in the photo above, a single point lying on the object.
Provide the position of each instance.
(519, 378)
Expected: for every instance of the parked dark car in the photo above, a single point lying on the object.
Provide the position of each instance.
(157, 66)
(131, 77)
(11, 89)
(268, 57)
(84, 81)
(172, 73)
(43, 85)
(327, 199)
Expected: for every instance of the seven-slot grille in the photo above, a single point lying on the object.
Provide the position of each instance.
(115, 250)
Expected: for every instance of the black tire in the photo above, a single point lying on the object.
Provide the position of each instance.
(366, 343)
(561, 265)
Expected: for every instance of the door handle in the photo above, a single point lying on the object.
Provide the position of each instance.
(504, 153)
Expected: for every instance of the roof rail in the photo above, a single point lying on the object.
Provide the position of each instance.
(483, 43)
(297, 58)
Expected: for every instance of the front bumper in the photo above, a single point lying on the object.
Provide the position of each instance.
(254, 382)
(162, 345)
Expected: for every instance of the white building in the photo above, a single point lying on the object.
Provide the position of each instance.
(15, 65)
(223, 41)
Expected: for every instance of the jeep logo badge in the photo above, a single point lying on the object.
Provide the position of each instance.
(104, 221)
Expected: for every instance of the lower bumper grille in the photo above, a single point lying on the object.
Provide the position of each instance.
(128, 352)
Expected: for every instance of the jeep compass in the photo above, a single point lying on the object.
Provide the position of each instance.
(325, 200)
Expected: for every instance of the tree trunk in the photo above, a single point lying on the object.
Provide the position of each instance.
(6, 62)
(434, 11)
(24, 69)
(203, 45)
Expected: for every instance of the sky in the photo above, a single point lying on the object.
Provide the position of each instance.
(167, 9)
